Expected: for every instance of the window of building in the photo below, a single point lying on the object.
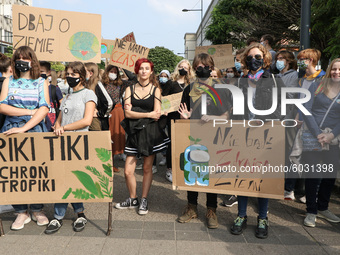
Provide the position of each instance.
(8, 37)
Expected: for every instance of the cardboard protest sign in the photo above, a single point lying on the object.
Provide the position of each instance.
(57, 35)
(228, 160)
(44, 168)
(222, 54)
(125, 54)
(107, 47)
(171, 103)
(129, 38)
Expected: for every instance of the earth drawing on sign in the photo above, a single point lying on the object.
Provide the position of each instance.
(84, 45)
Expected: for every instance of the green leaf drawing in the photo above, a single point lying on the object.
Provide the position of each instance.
(197, 140)
(191, 138)
(107, 169)
(186, 175)
(82, 194)
(67, 193)
(103, 154)
(87, 181)
(103, 180)
(100, 194)
(206, 177)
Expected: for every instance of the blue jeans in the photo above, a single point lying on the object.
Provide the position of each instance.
(262, 204)
(23, 208)
(60, 209)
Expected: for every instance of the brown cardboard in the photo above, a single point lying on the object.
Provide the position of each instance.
(229, 147)
(222, 54)
(45, 168)
(107, 47)
(171, 103)
(125, 54)
(57, 35)
(129, 38)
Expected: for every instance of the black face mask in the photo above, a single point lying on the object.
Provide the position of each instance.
(182, 72)
(72, 82)
(254, 64)
(43, 75)
(203, 73)
(22, 66)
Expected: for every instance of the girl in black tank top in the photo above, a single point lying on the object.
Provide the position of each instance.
(142, 105)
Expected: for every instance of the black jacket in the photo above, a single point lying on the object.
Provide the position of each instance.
(263, 97)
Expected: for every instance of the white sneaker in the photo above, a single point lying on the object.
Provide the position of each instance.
(168, 175)
(303, 199)
(20, 221)
(40, 218)
(163, 161)
(289, 195)
(154, 169)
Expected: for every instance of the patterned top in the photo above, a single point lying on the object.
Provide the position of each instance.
(114, 92)
(26, 93)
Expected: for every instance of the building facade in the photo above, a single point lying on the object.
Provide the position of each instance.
(6, 23)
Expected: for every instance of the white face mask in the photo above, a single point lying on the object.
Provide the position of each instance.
(230, 75)
(112, 76)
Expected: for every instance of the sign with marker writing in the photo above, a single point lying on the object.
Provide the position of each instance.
(57, 35)
(235, 160)
(44, 168)
(222, 54)
(129, 38)
(107, 47)
(125, 54)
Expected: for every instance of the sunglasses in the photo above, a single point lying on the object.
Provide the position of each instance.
(257, 57)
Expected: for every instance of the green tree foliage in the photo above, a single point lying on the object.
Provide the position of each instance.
(9, 51)
(163, 58)
(57, 66)
(233, 21)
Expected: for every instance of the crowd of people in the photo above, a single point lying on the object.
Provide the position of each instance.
(86, 98)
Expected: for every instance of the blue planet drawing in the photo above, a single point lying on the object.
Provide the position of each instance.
(84, 45)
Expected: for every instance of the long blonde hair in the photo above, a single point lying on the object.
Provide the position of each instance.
(189, 77)
(327, 79)
(93, 81)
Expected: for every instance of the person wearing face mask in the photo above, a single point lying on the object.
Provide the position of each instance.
(25, 115)
(115, 87)
(55, 95)
(182, 76)
(164, 77)
(267, 41)
(287, 66)
(105, 103)
(76, 115)
(190, 108)
(257, 59)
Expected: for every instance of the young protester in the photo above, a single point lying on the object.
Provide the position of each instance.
(324, 125)
(104, 104)
(182, 76)
(25, 114)
(54, 93)
(6, 72)
(115, 86)
(142, 104)
(76, 114)
(190, 109)
(257, 59)
(216, 74)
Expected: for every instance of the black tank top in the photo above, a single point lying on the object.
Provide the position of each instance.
(147, 102)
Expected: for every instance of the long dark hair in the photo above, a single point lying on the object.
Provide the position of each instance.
(26, 52)
(106, 80)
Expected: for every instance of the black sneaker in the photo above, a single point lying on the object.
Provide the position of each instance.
(239, 225)
(53, 226)
(128, 204)
(262, 228)
(143, 208)
(79, 224)
(230, 201)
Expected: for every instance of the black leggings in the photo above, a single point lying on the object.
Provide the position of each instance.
(211, 199)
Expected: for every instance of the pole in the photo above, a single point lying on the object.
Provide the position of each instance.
(201, 22)
(305, 24)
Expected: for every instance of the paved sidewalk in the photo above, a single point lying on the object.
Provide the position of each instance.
(159, 233)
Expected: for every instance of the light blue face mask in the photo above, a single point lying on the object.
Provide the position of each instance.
(163, 79)
(280, 65)
(87, 79)
(238, 66)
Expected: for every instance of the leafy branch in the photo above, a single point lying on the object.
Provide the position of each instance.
(103, 180)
